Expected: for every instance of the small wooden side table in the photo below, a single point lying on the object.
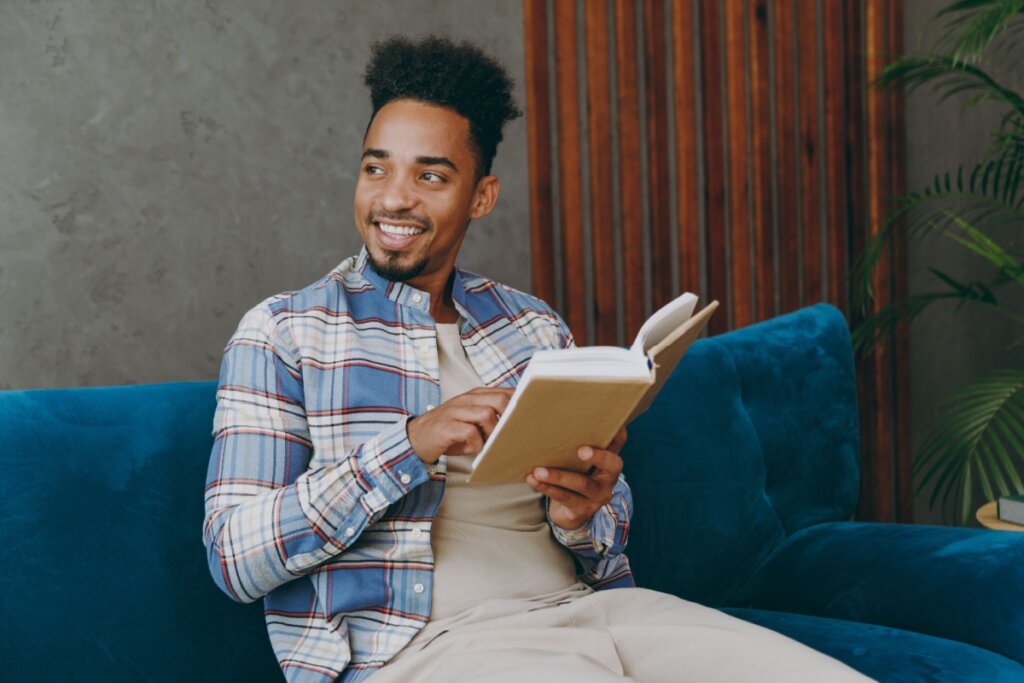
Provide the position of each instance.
(988, 516)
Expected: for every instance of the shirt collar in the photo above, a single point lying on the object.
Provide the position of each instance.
(407, 295)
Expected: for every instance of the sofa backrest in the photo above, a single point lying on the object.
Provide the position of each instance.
(754, 437)
(101, 503)
(104, 576)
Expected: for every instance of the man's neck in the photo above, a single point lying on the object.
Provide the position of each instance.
(442, 306)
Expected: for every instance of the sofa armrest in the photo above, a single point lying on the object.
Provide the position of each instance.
(963, 584)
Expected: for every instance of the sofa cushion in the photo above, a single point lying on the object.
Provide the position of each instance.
(754, 436)
(799, 388)
(889, 655)
(954, 583)
(702, 522)
(102, 505)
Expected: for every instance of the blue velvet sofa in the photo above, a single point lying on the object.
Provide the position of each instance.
(744, 474)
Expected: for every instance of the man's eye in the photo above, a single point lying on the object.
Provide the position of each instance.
(432, 177)
(373, 169)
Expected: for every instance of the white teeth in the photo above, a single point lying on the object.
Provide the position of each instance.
(399, 230)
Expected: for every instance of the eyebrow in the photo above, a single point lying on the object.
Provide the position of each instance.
(422, 160)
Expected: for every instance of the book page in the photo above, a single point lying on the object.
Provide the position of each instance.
(665, 320)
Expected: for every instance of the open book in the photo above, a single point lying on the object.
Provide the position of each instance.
(569, 398)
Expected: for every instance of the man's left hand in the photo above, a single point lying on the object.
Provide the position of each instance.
(574, 496)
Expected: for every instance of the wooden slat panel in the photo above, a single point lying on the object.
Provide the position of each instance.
(599, 138)
(630, 185)
(785, 154)
(656, 97)
(878, 191)
(835, 154)
(856, 150)
(761, 161)
(570, 169)
(687, 201)
(901, 352)
(810, 178)
(714, 169)
(739, 209)
(538, 136)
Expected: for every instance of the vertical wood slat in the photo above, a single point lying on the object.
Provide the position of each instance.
(599, 135)
(570, 169)
(714, 169)
(740, 265)
(685, 95)
(901, 342)
(878, 189)
(857, 218)
(810, 179)
(786, 160)
(761, 161)
(655, 96)
(630, 185)
(835, 153)
(538, 140)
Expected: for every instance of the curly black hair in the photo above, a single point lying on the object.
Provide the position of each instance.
(459, 76)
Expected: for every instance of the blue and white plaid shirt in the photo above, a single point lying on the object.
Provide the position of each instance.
(315, 498)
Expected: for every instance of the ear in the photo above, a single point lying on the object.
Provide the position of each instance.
(485, 197)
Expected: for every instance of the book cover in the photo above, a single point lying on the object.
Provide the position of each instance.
(574, 397)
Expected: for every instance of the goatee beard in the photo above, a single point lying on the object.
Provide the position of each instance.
(392, 269)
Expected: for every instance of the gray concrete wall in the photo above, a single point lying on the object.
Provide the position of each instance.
(166, 165)
(949, 348)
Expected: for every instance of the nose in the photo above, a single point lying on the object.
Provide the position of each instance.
(397, 194)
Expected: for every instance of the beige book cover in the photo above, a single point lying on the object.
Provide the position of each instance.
(581, 401)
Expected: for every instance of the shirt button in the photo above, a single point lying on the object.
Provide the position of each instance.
(416, 533)
(417, 297)
(350, 532)
(418, 588)
(405, 479)
(424, 348)
(430, 406)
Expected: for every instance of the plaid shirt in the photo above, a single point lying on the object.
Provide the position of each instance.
(315, 499)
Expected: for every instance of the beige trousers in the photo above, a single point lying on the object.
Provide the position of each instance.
(627, 634)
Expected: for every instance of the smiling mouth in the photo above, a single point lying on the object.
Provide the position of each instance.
(399, 230)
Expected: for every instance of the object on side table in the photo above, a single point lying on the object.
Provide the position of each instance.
(1011, 509)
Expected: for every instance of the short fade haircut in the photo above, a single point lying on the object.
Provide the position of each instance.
(459, 76)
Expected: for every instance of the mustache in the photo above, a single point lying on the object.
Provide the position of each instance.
(403, 217)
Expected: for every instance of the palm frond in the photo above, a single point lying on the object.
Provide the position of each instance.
(990, 194)
(949, 77)
(979, 431)
(972, 25)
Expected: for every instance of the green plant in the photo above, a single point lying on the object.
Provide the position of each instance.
(977, 440)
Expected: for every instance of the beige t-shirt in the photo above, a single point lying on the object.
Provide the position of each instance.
(489, 541)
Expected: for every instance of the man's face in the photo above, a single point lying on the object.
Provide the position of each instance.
(417, 191)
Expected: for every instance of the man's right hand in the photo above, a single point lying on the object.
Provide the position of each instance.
(459, 426)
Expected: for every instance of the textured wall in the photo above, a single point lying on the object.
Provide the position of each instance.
(165, 165)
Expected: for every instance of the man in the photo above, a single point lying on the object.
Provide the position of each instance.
(348, 412)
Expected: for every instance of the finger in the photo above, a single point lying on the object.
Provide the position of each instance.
(607, 463)
(467, 439)
(481, 417)
(619, 441)
(577, 483)
(577, 504)
(494, 399)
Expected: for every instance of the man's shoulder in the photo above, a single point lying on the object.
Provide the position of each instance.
(515, 301)
(329, 292)
(327, 296)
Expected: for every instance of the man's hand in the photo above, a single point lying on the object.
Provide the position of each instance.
(459, 426)
(575, 497)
